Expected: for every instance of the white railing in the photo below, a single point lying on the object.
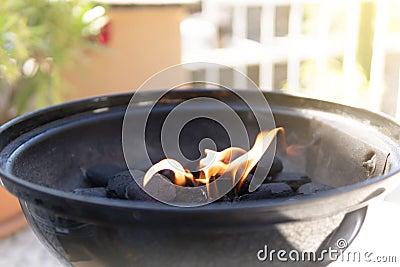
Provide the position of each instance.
(296, 47)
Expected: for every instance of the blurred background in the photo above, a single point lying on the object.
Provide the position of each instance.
(344, 51)
(53, 51)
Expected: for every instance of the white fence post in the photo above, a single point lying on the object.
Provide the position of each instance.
(239, 32)
(324, 22)
(398, 99)
(350, 49)
(293, 64)
(266, 38)
(378, 55)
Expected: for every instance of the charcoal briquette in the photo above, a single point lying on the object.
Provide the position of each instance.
(159, 187)
(134, 192)
(294, 179)
(168, 174)
(244, 189)
(268, 191)
(117, 184)
(276, 167)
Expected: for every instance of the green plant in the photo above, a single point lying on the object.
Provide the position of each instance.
(38, 39)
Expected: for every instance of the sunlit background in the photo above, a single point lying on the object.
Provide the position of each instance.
(344, 51)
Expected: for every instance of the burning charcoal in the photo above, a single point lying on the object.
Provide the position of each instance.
(311, 188)
(190, 183)
(230, 196)
(99, 174)
(159, 186)
(94, 192)
(117, 184)
(294, 179)
(265, 191)
(171, 176)
(276, 167)
(234, 194)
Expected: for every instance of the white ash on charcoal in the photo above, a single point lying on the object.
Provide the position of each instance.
(269, 191)
(294, 179)
(92, 192)
(99, 174)
(312, 188)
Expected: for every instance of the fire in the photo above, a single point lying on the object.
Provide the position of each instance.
(233, 162)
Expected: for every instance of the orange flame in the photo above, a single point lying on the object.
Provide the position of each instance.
(169, 164)
(234, 161)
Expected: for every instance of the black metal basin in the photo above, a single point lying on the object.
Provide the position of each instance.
(43, 154)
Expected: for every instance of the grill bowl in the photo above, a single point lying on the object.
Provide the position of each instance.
(43, 154)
